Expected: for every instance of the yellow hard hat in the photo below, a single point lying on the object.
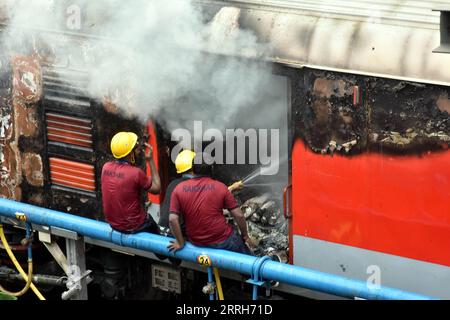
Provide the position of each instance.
(184, 160)
(123, 143)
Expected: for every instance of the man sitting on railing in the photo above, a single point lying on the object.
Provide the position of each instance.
(200, 201)
(123, 184)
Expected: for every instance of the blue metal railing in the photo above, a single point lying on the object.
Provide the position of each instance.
(258, 269)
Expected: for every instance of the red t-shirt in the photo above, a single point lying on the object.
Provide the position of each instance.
(201, 201)
(122, 185)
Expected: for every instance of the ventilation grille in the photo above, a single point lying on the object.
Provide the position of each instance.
(72, 174)
(66, 86)
(69, 120)
(69, 130)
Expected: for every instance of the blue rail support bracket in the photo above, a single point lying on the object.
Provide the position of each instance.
(256, 278)
(210, 288)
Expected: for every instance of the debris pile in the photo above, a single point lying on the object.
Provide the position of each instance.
(267, 226)
(410, 135)
(334, 146)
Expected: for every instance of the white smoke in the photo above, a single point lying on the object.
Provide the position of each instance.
(156, 58)
(157, 63)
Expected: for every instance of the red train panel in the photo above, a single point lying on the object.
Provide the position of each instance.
(391, 204)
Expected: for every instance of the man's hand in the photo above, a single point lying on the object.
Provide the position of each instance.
(174, 246)
(236, 186)
(149, 153)
(249, 242)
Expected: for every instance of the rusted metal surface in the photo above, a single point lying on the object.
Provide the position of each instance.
(26, 120)
(6, 128)
(10, 178)
(20, 140)
(5, 120)
(33, 169)
(27, 80)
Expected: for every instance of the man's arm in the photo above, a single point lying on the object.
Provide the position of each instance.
(242, 224)
(156, 181)
(175, 228)
(236, 186)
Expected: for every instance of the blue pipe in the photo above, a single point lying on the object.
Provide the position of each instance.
(30, 244)
(244, 264)
(210, 280)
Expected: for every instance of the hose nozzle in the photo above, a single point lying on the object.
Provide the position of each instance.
(236, 186)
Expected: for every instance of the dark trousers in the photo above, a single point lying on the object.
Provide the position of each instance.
(233, 243)
(149, 225)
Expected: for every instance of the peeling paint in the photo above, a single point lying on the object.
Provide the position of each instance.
(27, 88)
(5, 124)
(26, 120)
(27, 79)
(5, 192)
(11, 167)
(21, 89)
(33, 169)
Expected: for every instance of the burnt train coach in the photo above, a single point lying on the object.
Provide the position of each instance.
(364, 108)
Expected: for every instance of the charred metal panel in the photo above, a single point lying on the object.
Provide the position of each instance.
(394, 116)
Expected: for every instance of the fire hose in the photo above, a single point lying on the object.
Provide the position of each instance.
(28, 278)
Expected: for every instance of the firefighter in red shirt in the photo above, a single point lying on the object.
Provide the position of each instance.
(200, 201)
(123, 184)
